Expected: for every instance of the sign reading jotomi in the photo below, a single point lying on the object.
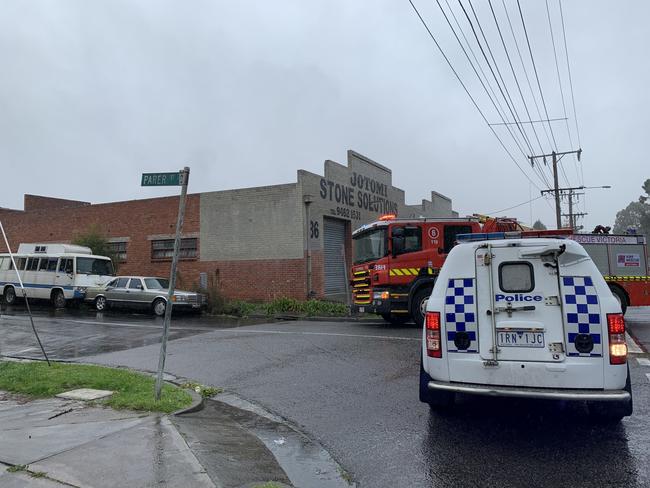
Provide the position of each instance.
(363, 193)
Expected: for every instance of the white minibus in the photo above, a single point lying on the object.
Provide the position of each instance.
(55, 272)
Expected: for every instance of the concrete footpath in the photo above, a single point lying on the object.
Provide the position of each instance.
(54, 443)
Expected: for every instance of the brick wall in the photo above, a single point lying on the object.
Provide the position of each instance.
(37, 202)
(253, 279)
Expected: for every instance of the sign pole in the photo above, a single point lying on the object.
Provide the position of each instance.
(22, 287)
(185, 176)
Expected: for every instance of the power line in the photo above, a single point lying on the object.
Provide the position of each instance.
(532, 58)
(506, 96)
(417, 12)
(523, 66)
(480, 67)
(505, 48)
(573, 101)
(515, 206)
(479, 78)
(559, 81)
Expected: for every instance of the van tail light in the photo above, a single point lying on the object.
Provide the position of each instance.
(432, 323)
(617, 343)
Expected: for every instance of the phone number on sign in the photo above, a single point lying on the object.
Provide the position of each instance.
(349, 213)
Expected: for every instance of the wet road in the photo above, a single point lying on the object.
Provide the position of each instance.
(70, 334)
(353, 386)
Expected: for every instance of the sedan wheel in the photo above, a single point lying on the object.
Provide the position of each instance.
(159, 307)
(100, 303)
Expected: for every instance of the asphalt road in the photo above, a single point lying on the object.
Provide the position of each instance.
(353, 386)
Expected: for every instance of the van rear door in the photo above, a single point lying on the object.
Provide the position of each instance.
(519, 304)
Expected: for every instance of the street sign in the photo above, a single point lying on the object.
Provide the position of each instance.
(162, 179)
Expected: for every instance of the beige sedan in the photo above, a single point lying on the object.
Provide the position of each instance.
(144, 293)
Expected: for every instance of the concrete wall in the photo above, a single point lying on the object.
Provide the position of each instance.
(252, 223)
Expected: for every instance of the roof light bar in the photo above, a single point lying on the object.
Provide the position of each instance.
(486, 236)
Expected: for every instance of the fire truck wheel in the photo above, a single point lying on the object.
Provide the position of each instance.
(395, 319)
(620, 296)
(419, 305)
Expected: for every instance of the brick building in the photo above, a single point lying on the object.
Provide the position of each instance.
(255, 243)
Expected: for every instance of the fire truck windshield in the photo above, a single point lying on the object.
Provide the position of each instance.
(370, 245)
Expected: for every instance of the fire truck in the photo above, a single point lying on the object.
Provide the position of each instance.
(396, 261)
(623, 261)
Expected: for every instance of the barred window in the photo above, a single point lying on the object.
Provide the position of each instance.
(164, 248)
(119, 250)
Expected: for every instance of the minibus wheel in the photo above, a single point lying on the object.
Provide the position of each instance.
(58, 299)
(10, 295)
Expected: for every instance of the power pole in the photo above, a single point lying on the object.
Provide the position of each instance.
(556, 189)
(571, 193)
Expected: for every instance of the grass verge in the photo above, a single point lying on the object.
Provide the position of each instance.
(133, 391)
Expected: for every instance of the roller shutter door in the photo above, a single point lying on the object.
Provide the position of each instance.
(334, 239)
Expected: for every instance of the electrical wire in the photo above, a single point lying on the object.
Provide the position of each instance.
(573, 101)
(514, 74)
(515, 206)
(417, 12)
(479, 78)
(559, 81)
(523, 66)
(503, 90)
(532, 58)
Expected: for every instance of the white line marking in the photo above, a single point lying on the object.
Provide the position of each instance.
(241, 331)
(119, 324)
(333, 334)
(643, 361)
(632, 346)
(648, 376)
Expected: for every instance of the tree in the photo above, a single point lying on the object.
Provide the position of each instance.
(636, 214)
(538, 225)
(94, 238)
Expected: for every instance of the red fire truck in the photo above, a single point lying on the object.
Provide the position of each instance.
(623, 261)
(396, 261)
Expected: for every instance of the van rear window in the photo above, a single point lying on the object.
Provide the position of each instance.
(516, 277)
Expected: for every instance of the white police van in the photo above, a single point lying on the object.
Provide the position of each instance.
(524, 317)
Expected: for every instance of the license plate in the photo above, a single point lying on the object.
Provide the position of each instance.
(520, 338)
(362, 309)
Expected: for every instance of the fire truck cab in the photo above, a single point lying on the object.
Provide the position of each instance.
(396, 263)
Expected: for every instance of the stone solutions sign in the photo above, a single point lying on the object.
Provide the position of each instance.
(363, 193)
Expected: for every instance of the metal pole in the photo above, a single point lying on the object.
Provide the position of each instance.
(572, 222)
(557, 192)
(308, 201)
(347, 278)
(22, 287)
(172, 283)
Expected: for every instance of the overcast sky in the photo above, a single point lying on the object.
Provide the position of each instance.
(93, 93)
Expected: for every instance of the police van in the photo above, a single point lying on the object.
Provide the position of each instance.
(528, 317)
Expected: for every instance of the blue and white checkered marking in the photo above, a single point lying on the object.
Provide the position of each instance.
(460, 313)
(582, 312)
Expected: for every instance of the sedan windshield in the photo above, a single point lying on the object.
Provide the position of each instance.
(370, 245)
(156, 283)
(95, 266)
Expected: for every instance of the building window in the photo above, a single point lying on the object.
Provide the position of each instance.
(119, 250)
(164, 249)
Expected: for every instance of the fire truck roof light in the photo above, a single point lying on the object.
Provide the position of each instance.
(388, 217)
(485, 236)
